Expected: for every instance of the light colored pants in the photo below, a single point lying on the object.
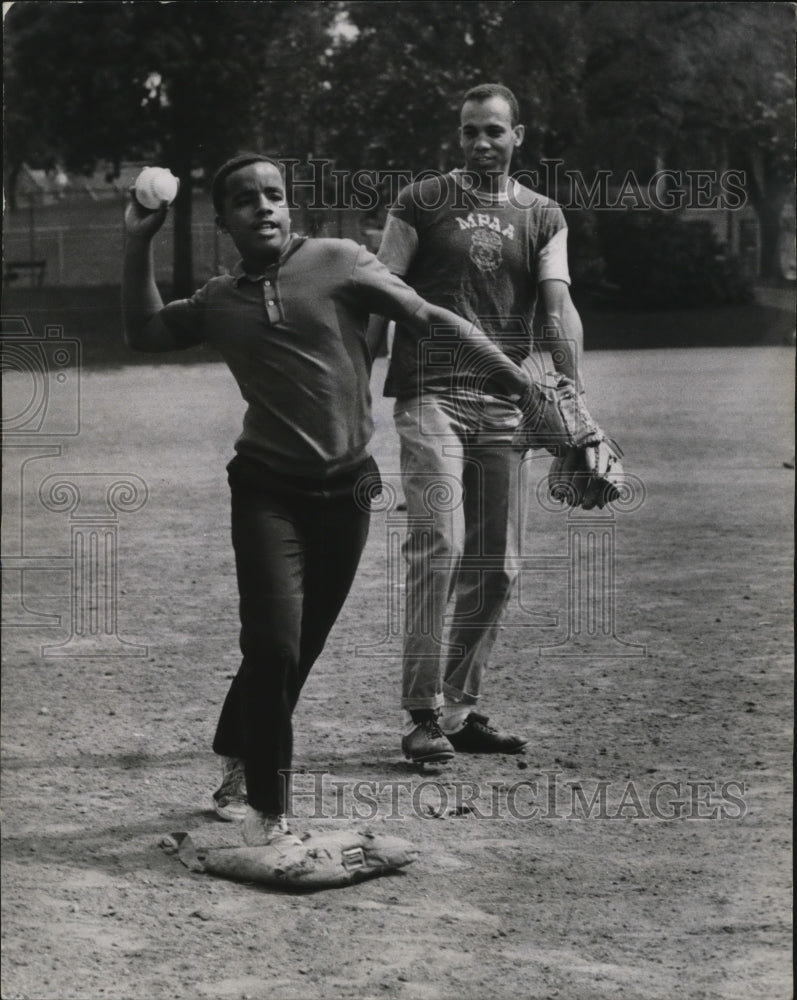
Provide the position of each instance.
(464, 524)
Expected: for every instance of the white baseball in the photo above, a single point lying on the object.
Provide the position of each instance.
(155, 185)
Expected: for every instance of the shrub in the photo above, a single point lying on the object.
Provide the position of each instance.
(585, 257)
(658, 259)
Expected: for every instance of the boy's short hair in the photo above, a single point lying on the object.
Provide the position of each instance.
(236, 162)
(484, 91)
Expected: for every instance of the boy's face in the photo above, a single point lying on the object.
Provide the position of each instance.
(487, 136)
(256, 213)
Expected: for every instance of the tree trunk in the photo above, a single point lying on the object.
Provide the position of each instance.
(12, 183)
(768, 194)
(769, 220)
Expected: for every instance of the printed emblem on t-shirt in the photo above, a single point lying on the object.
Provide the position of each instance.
(486, 250)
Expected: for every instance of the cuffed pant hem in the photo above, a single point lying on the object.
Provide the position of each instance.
(411, 704)
(462, 697)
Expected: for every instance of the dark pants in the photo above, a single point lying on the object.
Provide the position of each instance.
(297, 547)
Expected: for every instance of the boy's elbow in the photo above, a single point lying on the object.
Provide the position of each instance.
(146, 336)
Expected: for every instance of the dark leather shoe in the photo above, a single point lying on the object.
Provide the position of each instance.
(427, 744)
(477, 737)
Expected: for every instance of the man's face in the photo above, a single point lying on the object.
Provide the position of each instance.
(488, 137)
(256, 213)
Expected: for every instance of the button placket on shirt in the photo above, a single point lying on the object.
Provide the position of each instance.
(271, 301)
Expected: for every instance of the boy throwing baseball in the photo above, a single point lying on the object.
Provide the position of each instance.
(290, 323)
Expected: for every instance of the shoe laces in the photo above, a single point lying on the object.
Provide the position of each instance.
(480, 722)
(433, 730)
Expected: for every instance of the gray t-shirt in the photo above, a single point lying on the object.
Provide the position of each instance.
(482, 258)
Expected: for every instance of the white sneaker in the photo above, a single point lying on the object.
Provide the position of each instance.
(264, 830)
(229, 799)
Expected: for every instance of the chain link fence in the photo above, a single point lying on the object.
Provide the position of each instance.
(79, 242)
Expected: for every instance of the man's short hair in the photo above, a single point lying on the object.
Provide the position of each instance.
(484, 91)
(236, 162)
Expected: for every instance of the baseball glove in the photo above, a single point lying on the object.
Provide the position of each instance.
(320, 861)
(587, 477)
(587, 468)
(555, 416)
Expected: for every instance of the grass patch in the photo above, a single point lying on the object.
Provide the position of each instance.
(92, 315)
(615, 325)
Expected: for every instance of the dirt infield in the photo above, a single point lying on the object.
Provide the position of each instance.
(641, 847)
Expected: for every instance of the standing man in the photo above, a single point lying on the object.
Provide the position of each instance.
(487, 248)
(291, 324)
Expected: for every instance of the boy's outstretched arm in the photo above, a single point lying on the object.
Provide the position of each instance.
(388, 297)
(489, 356)
(141, 300)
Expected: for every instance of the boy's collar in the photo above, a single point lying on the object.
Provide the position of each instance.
(292, 244)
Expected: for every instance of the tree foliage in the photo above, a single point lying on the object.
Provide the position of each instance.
(182, 84)
(610, 85)
(397, 84)
(695, 86)
(744, 82)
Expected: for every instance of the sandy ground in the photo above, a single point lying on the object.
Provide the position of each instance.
(640, 848)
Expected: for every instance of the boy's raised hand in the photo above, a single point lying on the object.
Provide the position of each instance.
(144, 222)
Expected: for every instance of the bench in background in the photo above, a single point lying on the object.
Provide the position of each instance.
(15, 268)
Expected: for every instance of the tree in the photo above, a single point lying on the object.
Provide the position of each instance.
(609, 85)
(397, 83)
(701, 85)
(745, 85)
(183, 84)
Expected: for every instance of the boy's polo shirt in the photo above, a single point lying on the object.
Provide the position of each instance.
(294, 339)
